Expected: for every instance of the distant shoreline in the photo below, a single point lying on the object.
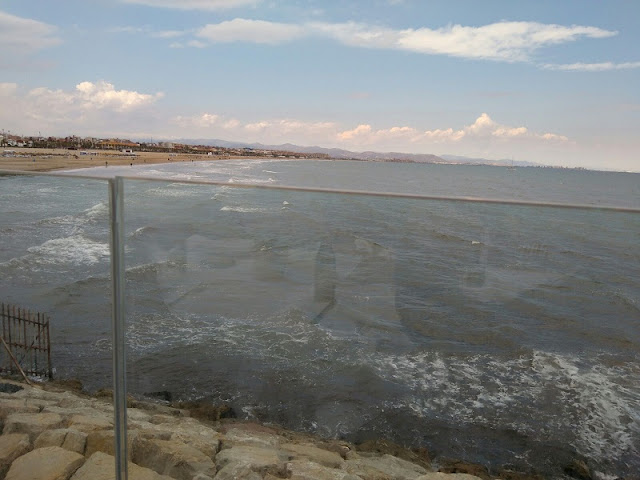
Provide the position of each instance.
(50, 159)
(57, 159)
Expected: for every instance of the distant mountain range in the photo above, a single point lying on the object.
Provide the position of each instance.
(368, 155)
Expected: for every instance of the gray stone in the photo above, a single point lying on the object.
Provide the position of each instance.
(172, 458)
(384, 467)
(49, 463)
(12, 446)
(101, 466)
(32, 424)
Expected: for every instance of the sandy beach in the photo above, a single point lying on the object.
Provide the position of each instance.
(47, 160)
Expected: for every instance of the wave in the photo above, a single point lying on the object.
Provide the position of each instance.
(75, 250)
(592, 407)
(243, 209)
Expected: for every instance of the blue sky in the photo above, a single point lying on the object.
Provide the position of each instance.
(553, 82)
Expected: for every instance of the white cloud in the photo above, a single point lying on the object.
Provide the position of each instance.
(103, 95)
(89, 107)
(22, 35)
(592, 67)
(503, 41)
(256, 31)
(510, 41)
(483, 128)
(7, 89)
(195, 4)
(168, 34)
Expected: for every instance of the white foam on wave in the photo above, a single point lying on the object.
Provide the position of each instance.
(243, 209)
(75, 250)
(99, 210)
(593, 407)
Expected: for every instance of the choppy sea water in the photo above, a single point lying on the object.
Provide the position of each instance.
(503, 334)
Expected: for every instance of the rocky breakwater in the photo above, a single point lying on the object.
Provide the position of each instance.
(50, 433)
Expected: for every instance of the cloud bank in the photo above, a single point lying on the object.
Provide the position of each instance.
(502, 41)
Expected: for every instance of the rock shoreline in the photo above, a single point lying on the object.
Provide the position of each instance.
(52, 433)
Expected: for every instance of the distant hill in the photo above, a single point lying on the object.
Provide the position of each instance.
(368, 155)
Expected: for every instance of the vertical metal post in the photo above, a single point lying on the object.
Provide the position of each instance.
(116, 209)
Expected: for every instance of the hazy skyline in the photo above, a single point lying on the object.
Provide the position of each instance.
(549, 82)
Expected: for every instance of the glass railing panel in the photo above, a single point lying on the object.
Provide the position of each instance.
(54, 259)
(501, 334)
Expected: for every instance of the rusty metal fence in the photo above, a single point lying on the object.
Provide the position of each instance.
(26, 346)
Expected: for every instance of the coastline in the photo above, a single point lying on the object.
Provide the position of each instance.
(54, 428)
(49, 160)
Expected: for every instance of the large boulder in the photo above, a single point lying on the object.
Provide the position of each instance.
(101, 466)
(313, 453)
(103, 441)
(306, 470)
(174, 458)
(33, 424)
(244, 459)
(13, 405)
(66, 438)
(384, 467)
(49, 463)
(12, 446)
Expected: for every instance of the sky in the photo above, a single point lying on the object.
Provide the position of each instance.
(555, 82)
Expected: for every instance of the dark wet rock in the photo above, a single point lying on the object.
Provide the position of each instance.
(419, 456)
(206, 411)
(9, 388)
(508, 474)
(163, 395)
(578, 469)
(457, 466)
(69, 384)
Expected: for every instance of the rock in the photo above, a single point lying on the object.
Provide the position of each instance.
(12, 446)
(447, 476)
(206, 411)
(578, 469)
(381, 446)
(315, 454)
(236, 471)
(49, 463)
(382, 468)
(103, 441)
(206, 444)
(101, 466)
(172, 458)
(9, 406)
(257, 459)
(306, 470)
(507, 474)
(66, 438)
(456, 466)
(163, 395)
(86, 423)
(236, 436)
(31, 424)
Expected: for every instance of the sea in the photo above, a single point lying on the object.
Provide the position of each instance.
(489, 314)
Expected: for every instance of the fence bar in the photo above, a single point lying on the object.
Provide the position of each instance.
(116, 210)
